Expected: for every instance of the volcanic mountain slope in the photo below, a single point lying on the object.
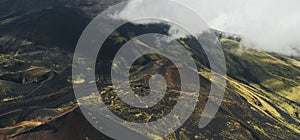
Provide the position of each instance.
(15, 8)
(36, 41)
(251, 109)
(37, 38)
(261, 99)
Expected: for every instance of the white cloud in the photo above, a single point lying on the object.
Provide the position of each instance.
(271, 25)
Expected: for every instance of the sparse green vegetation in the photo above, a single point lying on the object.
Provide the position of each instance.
(230, 45)
(7, 21)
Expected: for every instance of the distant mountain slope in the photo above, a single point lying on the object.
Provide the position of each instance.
(55, 23)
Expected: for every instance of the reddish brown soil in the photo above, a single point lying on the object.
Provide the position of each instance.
(70, 125)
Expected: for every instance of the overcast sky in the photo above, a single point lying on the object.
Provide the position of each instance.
(271, 25)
